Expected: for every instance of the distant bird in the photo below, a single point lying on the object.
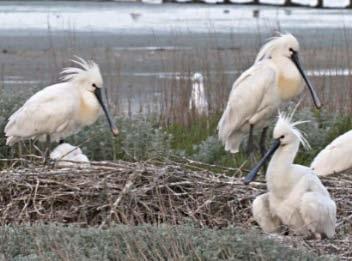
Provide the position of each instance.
(275, 77)
(334, 158)
(62, 109)
(198, 100)
(296, 197)
(135, 16)
(66, 155)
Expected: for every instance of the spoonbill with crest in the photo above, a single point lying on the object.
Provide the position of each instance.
(275, 77)
(62, 109)
(296, 197)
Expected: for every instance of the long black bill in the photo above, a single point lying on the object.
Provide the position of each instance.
(99, 96)
(253, 173)
(315, 97)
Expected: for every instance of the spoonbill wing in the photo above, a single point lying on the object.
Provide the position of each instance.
(334, 158)
(48, 111)
(250, 99)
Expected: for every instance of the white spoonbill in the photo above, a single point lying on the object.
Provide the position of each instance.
(66, 155)
(276, 76)
(296, 197)
(334, 158)
(198, 100)
(62, 109)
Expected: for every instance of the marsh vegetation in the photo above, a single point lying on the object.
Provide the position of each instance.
(148, 82)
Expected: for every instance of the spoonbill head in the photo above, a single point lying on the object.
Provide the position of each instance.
(197, 77)
(62, 109)
(286, 133)
(284, 51)
(89, 80)
(276, 76)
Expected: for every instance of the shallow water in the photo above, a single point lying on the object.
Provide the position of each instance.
(143, 48)
(136, 18)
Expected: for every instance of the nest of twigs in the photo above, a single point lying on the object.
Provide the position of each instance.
(136, 193)
(123, 192)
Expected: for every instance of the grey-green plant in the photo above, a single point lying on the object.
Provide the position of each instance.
(144, 242)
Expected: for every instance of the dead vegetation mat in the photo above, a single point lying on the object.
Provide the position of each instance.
(138, 193)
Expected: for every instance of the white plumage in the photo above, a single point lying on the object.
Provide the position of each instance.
(336, 157)
(66, 155)
(198, 100)
(62, 109)
(276, 76)
(296, 197)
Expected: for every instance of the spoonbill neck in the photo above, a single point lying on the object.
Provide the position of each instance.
(289, 80)
(89, 109)
(283, 157)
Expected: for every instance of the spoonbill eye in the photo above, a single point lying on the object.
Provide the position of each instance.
(94, 85)
(282, 136)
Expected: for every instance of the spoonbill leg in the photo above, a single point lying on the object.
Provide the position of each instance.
(250, 145)
(47, 149)
(262, 141)
(20, 150)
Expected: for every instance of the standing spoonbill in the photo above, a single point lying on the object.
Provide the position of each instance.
(62, 109)
(198, 100)
(334, 158)
(275, 77)
(296, 197)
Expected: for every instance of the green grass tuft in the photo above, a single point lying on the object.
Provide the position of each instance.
(185, 137)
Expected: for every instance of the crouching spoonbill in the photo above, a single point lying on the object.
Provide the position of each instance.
(275, 77)
(62, 109)
(334, 158)
(296, 197)
(66, 155)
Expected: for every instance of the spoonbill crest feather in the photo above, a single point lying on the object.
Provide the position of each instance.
(89, 72)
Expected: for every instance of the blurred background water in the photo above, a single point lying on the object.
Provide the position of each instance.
(148, 52)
